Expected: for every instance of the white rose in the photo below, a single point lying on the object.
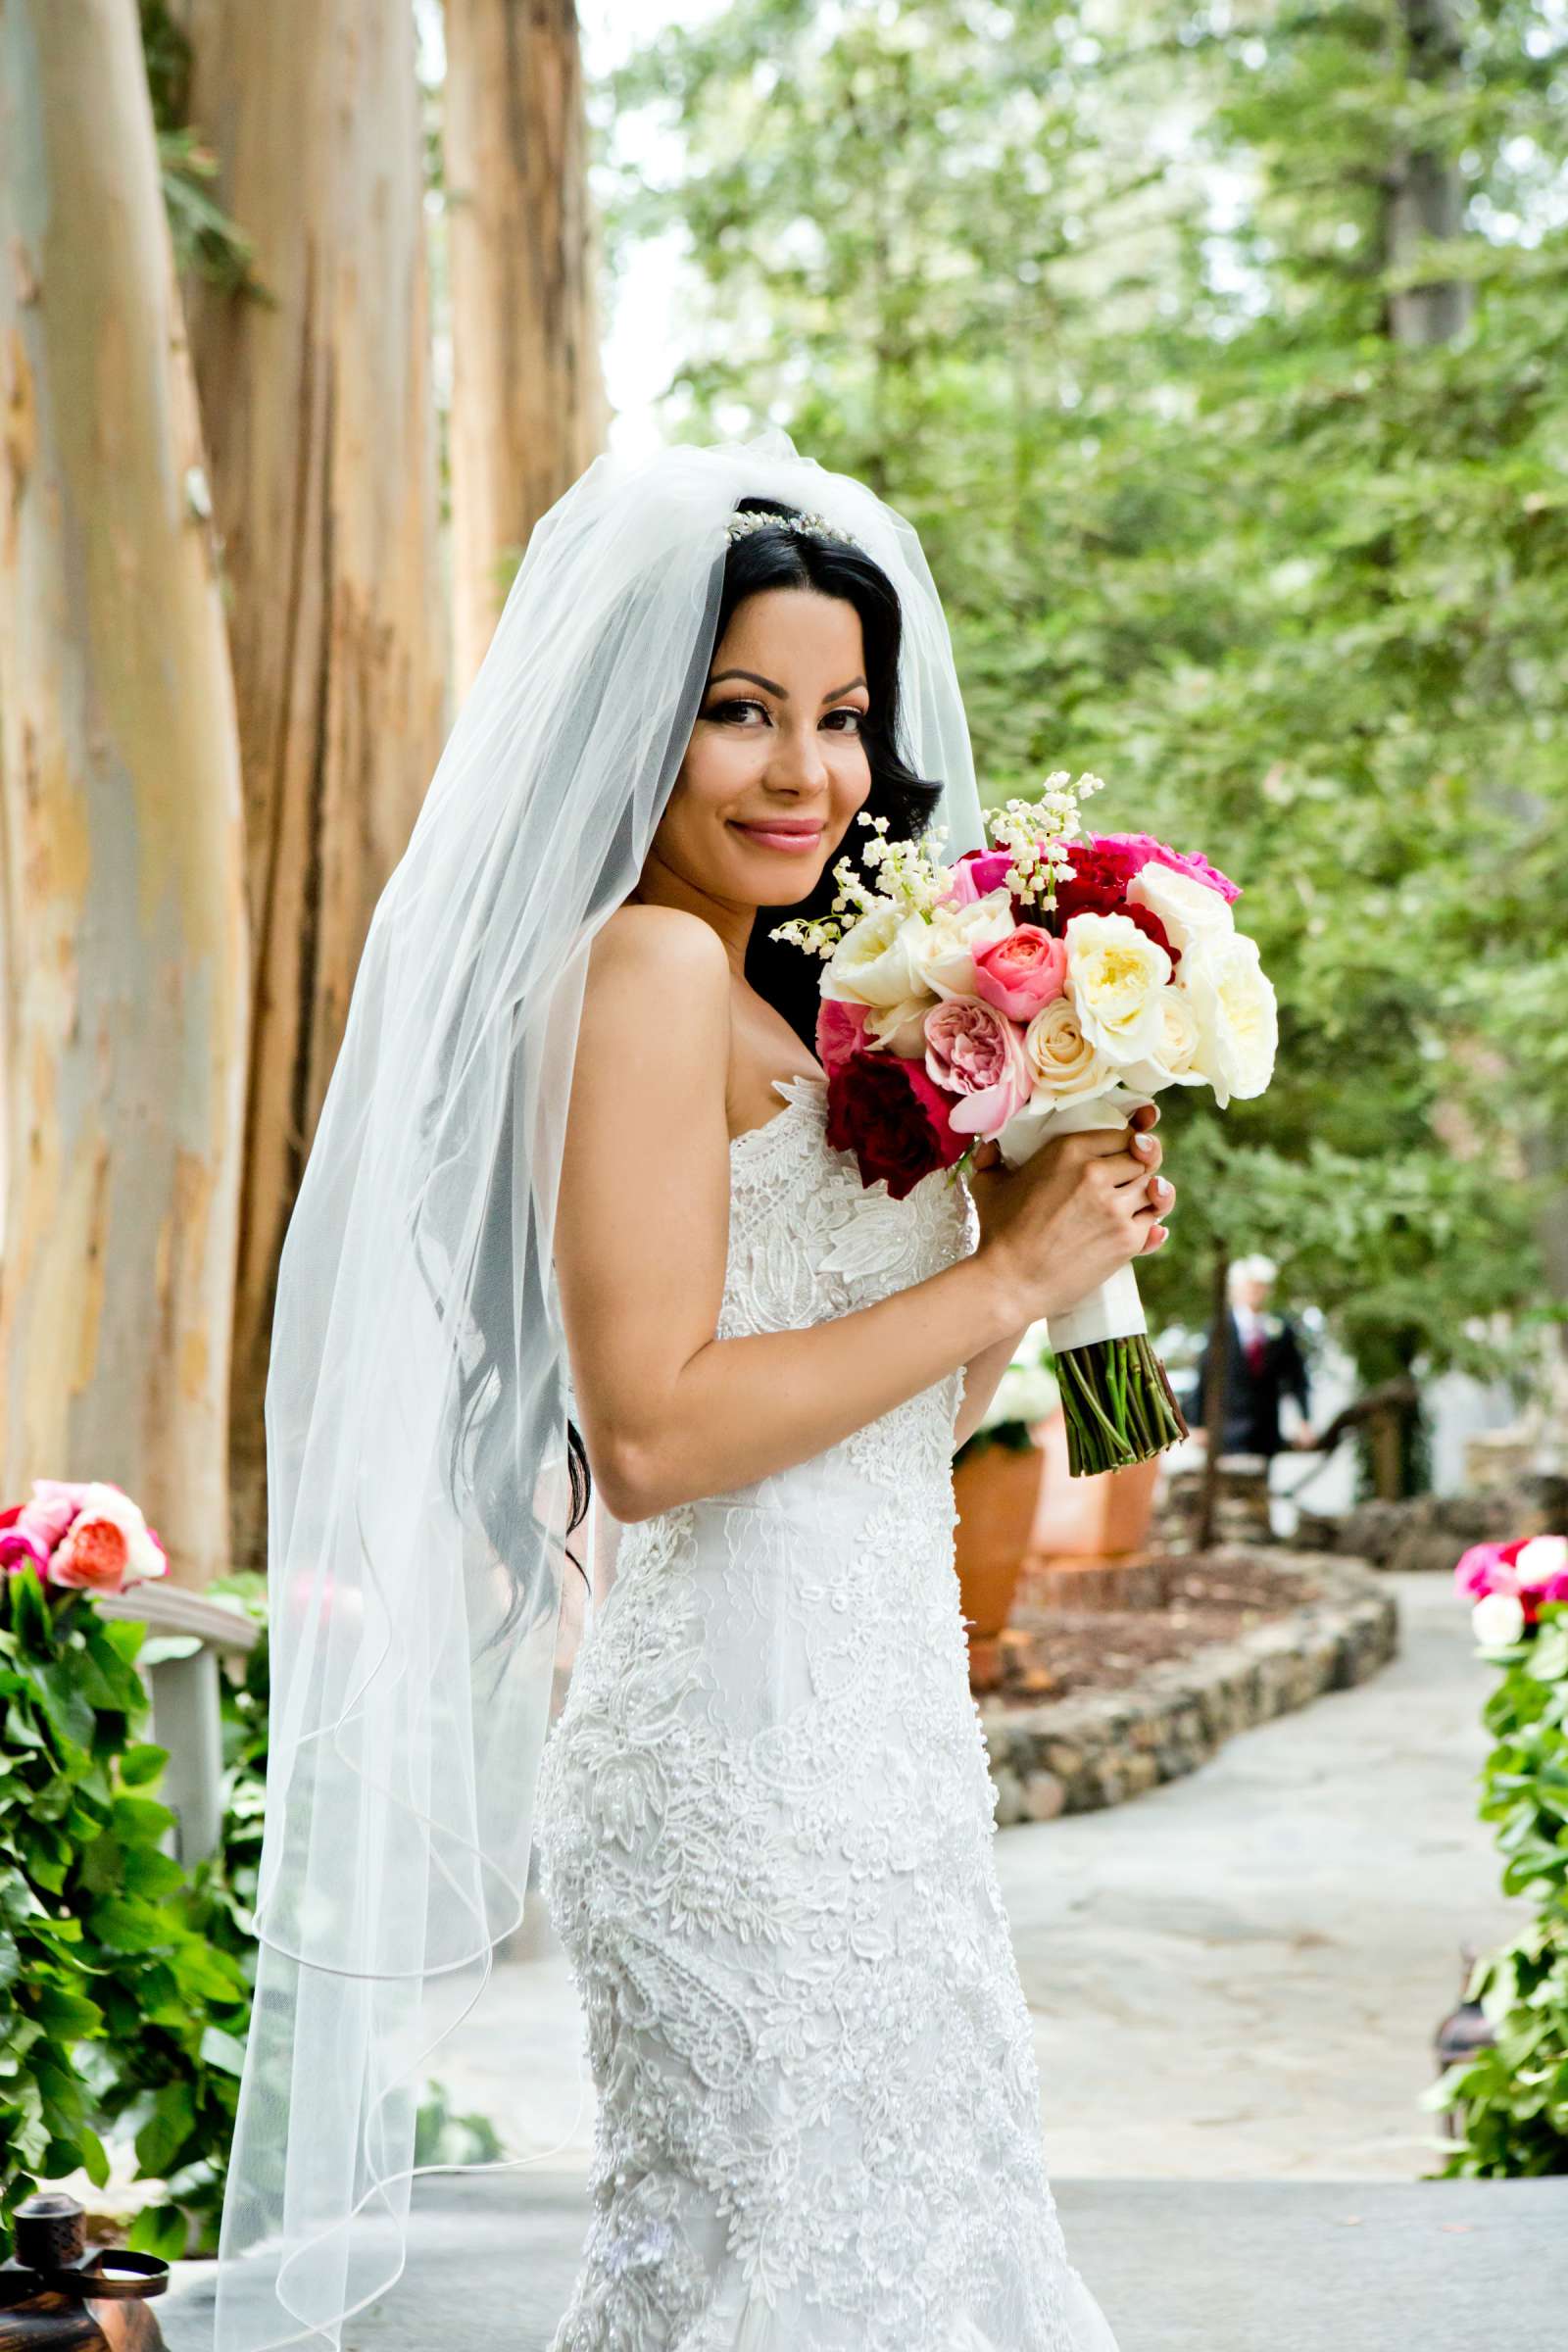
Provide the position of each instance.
(1238, 1022)
(1174, 1061)
(1115, 973)
(1061, 1059)
(1541, 1559)
(901, 1028)
(1190, 910)
(944, 949)
(1497, 1621)
(874, 963)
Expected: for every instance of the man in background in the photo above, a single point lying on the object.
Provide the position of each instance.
(1263, 1367)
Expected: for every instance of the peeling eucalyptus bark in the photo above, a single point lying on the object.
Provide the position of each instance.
(120, 857)
(320, 418)
(528, 407)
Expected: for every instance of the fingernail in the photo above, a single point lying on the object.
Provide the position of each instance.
(1142, 1142)
(1163, 1191)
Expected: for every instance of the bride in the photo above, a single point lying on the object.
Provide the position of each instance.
(572, 1219)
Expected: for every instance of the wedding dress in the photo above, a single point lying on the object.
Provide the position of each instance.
(765, 1825)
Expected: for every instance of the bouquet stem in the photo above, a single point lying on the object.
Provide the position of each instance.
(1119, 1405)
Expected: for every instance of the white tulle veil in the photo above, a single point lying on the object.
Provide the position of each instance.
(417, 1404)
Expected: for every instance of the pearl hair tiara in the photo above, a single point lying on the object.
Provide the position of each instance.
(817, 525)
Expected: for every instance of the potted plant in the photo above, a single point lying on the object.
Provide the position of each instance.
(996, 1485)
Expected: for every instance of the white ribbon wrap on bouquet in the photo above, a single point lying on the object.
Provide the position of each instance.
(1113, 1311)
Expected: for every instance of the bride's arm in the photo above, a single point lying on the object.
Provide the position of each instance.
(670, 1412)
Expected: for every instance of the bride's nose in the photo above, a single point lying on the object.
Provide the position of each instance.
(795, 762)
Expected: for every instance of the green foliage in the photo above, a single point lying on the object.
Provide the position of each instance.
(1513, 2099)
(1202, 522)
(207, 242)
(119, 2013)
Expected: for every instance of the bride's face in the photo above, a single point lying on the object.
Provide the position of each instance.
(776, 767)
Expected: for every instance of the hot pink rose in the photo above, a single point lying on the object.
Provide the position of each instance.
(840, 1032)
(976, 873)
(1020, 973)
(30, 1531)
(1483, 1570)
(1142, 848)
(975, 1053)
(1532, 1570)
(21, 1546)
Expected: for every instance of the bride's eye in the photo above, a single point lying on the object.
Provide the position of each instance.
(848, 711)
(731, 708)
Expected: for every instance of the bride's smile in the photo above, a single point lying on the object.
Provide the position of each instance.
(776, 767)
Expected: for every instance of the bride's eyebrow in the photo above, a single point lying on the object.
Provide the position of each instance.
(774, 688)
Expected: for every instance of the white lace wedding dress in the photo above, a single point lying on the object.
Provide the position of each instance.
(765, 1824)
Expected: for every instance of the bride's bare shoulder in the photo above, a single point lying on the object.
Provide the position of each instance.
(658, 947)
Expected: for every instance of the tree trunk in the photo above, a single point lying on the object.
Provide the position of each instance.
(120, 846)
(528, 397)
(321, 423)
(1426, 195)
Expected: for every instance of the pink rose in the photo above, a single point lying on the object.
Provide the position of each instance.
(975, 1053)
(1020, 973)
(110, 1545)
(840, 1032)
(54, 1505)
(977, 873)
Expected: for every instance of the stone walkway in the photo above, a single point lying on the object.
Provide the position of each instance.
(1235, 1980)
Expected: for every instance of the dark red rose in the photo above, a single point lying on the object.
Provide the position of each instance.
(887, 1111)
(1101, 874)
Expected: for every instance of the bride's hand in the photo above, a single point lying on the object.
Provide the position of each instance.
(1084, 1205)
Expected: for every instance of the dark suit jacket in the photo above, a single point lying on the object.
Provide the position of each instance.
(1252, 1423)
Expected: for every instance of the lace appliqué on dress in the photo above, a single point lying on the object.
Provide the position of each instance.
(765, 1822)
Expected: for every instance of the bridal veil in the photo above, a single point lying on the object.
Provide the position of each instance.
(418, 1487)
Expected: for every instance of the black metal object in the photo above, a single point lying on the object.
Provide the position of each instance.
(1462, 2032)
(57, 2297)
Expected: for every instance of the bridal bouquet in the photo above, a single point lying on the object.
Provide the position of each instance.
(1052, 982)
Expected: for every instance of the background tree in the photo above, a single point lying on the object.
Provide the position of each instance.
(527, 409)
(319, 402)
(119, 811)
(1240, 491)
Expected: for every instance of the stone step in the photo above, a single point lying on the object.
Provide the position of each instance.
(1178, 2266)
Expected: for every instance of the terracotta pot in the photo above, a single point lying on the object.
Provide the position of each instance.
(996, 1489)
(1088, 1518)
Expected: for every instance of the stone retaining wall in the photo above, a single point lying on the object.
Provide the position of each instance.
(1073, 1755)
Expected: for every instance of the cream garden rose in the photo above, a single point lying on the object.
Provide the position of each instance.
(1061, 1059)
(1238, 1020)
(944, 949)
(1174, 1060)
(1116, 973)
(874, 963)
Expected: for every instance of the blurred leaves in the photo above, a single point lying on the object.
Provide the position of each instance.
(1104, 308)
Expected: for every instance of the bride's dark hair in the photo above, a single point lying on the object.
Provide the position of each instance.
(487, 1443)
(786, 559)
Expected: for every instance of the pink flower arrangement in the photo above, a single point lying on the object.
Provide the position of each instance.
(1509, 1584)
(87, 1536)
(1054, 980)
